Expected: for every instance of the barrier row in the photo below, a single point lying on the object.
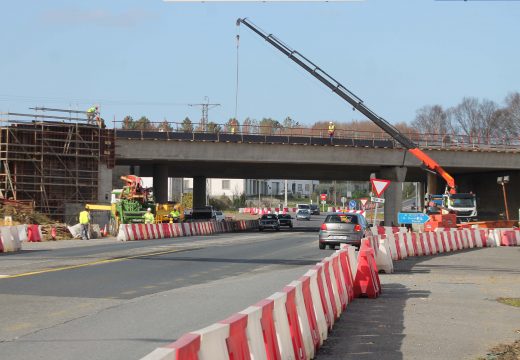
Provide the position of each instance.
(261, 211)
(132, 232)
(11, 237)
(290, 324)
(398, 246)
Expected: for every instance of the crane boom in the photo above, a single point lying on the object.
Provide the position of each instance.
(353, 100)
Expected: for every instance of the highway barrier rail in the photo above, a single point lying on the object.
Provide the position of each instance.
(294, 322)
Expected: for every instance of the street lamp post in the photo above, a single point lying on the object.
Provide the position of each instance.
(503, 180)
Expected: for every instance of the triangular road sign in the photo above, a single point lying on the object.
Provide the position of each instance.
(363, 201)
(379, 186)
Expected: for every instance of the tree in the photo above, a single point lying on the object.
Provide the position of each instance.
(269, 126)
(165, 126)
(246, 126)
(475, 118)
(187, 125)
(213, 127)
(143, 124)
(128, 123)
(431, 120)
(288, 122)
(187, 200)
(513, 112)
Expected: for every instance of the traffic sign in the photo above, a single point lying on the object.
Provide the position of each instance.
(323, 196)
(379, 186)
(352, 204)
(363, 201)
(377, 200)
(412, 218)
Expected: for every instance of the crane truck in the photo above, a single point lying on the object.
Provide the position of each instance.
(451, 199)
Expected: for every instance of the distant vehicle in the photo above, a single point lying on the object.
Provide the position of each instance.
(303, 214)
(218, 216)
(269, 221)
(285, 220)
(346, 228)
(207, 213)
(315, 209)
(282, 192)
(303, 206)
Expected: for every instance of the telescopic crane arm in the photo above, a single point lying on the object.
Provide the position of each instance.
(353, 100)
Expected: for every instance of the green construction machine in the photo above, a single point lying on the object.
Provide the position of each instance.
(129, 204)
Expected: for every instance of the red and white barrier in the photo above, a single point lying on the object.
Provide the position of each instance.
(10, 239)
(134, 232)
(292, 324)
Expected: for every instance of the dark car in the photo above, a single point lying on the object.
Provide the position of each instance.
(269, 221)
(346, 228)
(285, 220)
(315, 209)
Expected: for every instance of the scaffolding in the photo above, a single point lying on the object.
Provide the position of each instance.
(52, 159)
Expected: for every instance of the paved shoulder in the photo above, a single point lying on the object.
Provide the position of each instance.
(441, 307)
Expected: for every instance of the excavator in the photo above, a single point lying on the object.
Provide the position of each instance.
(450, 197)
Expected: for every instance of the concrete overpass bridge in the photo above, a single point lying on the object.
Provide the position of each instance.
(208, 155)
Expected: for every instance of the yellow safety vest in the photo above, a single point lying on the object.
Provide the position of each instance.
(331, 128)
(175, 214)
(91, 110)
(84, 217)
(148, 218)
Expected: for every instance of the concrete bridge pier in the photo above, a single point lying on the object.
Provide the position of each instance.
(199, 191)
(160, 183)
(394, 193)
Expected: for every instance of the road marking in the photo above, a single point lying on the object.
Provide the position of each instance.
(98, 262)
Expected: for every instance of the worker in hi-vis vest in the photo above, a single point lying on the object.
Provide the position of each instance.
(148, 216)
(332, 128)
(175, 215)
(84, 221)
(92, 112)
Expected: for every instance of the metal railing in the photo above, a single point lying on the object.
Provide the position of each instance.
(279, 134)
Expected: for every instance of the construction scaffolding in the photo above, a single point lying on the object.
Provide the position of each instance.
(52, 159)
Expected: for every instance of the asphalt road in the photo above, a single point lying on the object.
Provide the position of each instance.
(126, 299)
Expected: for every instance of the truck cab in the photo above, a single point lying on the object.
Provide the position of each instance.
(464, 205)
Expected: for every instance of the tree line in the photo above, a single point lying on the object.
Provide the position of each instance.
(472, 117)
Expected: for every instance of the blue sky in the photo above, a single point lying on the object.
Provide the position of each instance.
(153, 58)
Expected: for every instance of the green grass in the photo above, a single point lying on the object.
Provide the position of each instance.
(510, 301)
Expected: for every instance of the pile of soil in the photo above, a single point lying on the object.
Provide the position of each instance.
(22, 216)
(504, 352)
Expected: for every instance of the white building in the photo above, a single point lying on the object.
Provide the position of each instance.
(249, 187)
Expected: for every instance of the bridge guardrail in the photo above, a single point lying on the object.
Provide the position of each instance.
(311, 136)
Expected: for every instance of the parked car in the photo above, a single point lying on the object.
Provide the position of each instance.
(269, 221)
(218, 216)
(303, 214)
(344, 228)
(285, 220)
(315, 209)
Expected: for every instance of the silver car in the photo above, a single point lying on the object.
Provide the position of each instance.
(303, 214)
(344, 228)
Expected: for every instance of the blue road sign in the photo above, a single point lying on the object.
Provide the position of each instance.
(412, 218)
(352, 204)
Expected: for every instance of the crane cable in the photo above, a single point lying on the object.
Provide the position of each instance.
(237, 73)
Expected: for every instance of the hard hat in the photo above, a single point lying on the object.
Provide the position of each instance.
(149, 209)
(330, 122)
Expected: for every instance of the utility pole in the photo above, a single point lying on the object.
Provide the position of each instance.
(205, 106)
